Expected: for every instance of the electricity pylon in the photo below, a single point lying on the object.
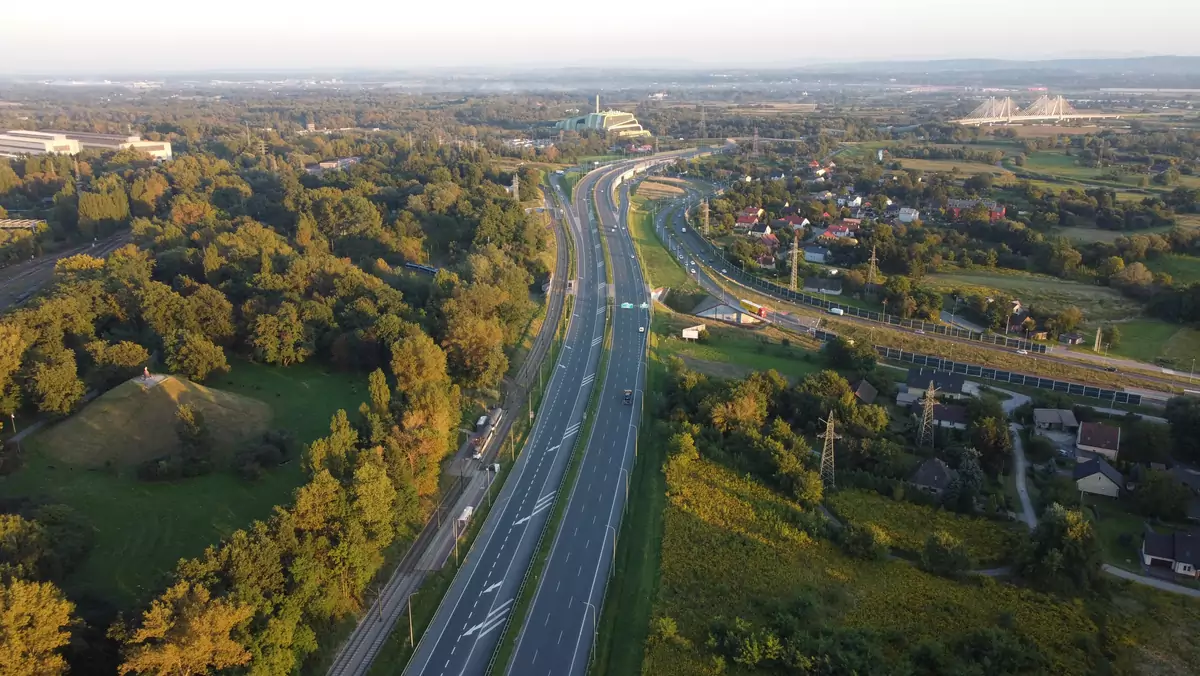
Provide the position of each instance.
(827, 451)
(795, 257)
(927, 420)
(873, 270)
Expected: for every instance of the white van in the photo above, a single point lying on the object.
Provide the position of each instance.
(837, 311)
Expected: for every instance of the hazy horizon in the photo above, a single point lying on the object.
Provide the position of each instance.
(121, 37)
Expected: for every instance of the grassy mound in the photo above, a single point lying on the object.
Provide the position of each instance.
(130, 423)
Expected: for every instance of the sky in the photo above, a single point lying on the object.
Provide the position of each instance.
(130, 36)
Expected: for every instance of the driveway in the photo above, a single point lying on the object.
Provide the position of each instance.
(1151, 581)
(1020, 465)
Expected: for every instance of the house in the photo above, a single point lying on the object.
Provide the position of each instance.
(950, 416)
(1071, 339)
(852, 201)
(933, 476)
(759, 230)
(1054, 419)
(956, 207)
(340, 164)
(755, 212)
(835, 232)
(865, 392)
(816, 254)
(907, 215)
(1178, 552)
(792, 221)
(1098, 478)
(770, 241)
(766, 261)
(745, 222)
(833, 287)
(948, 385)
(711, 308)
(851, 224)
(1099, 438)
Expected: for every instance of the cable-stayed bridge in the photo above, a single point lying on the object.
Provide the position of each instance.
(1046, 108)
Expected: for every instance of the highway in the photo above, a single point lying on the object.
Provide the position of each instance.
(20, 281)
(560, 627)
(465, 630)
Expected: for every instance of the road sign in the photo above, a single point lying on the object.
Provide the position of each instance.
(626, 306)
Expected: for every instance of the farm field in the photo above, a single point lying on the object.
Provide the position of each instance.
(141, 529)
(656, 189)
(958, 167)
(1092, 235)
(1156, 341)
(1098, 303)
(730, 549)
(1183, 269)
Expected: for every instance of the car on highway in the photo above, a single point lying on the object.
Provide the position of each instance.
(628, 396)
(641, 329)
(837, 311)
(1022, 351)
(724, 271)
(919, 332)
(632, 256)
(685, 229)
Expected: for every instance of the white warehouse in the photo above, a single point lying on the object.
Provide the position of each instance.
(16, 143)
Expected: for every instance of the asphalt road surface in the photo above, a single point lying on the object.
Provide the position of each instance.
(464, 633)
(560, 626)
(20, 281)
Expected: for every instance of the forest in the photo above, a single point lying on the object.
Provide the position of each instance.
(237, 257)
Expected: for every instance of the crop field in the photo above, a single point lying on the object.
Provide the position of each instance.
(653, 190)
(1098, 303)
(908, 525)
(141, 529)
(729, 549)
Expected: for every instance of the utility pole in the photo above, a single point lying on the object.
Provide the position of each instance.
(703, 127)
(795, 257)
(411, 641)
(827, 451)
(1096, 347)
(927, 411)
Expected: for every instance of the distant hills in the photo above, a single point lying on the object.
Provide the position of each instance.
(1145, 65)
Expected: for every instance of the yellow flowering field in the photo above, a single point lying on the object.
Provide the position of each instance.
(908, 525)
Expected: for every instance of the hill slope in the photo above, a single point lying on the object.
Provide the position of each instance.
(130, 423)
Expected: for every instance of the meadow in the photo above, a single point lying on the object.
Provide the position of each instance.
(958, 168)
(141, 529)
(1098, 303)
(1156, 341)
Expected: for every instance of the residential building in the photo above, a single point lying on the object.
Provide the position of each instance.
(816, 254)
(1054, 419)
(19, 142)
(1099, 438)
(1071, 339)
(792, 221)
(852, 224)
(950, 416)
(1178, 552)
(865, 392)
(711, 308)
(745, 222)
(832, 287)
(770, 241)
(956, 207)
(159, 150)
(948, 385)
(835, 232)
(766, 261)
(1098, 478)
(907, 215)
(756, 212)
(933, 476)
(759, 230)
(852, 201)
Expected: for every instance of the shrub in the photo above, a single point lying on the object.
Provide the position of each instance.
(945, 555)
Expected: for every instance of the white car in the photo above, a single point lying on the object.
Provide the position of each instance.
(724, 271)
(1022, 351)
(631, 256)
(641, 329)
(478, 455)
(685, 229)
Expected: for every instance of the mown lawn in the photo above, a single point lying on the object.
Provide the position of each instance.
(1156, 341)
(656, 261)
(747, 351)
(142, 529)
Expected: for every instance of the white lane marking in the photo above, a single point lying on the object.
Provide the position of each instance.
(535, 512)
(545, 497)
(493, 587)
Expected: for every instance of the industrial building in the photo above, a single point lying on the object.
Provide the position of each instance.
(24, 142)
(615, 122)
(18, 142)
(159, 150)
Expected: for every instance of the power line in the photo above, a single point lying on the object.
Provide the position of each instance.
(829, 436)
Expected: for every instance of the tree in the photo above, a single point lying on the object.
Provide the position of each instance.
(945, 555)
(116, 363)
(35, 619)
(1183, 413)
(1067, 320)
(281, 338)
(991, 438)
(194, 356)
(1062, 553)
(213, 314)
(865, 542)
(186, 632)
(417, 360)
(475, 350)
(1111, 336)
(195, 440)
(381, 392)
(55, 383)
(1147, 442)
(1161, 495)
(13, 343)
(857, 356)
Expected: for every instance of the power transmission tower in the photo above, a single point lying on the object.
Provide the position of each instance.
(754, 146)
(827, 452)
(928, 405)
(795, 256)
(703, 127)
(872, 271)
(704, 215)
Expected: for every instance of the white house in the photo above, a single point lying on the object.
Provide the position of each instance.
(815, 254)
(1098, 478)
(908, 215)
(1178, 552)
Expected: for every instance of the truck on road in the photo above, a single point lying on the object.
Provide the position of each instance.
(754, 308)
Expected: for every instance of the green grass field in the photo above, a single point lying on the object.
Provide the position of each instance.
(1098, 303)
(1156, 341)
(958, 168)
(744, 350)
(1183, 269)
(657, 263)
(142, 529)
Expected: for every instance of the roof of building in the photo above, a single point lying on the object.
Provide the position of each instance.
(1181, 546)
(770, 240)
(1099, 435)
(950, 413)
(865, 392)
(967, 204)
(747, 219)
(708, 303)
(1098, 466)
(822, 283)
(760, 227)
(933, 473)
(794, 220)
(942, 380)
(1055, 416)
(816, 250)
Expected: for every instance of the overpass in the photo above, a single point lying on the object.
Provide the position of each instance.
(1045, 109)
